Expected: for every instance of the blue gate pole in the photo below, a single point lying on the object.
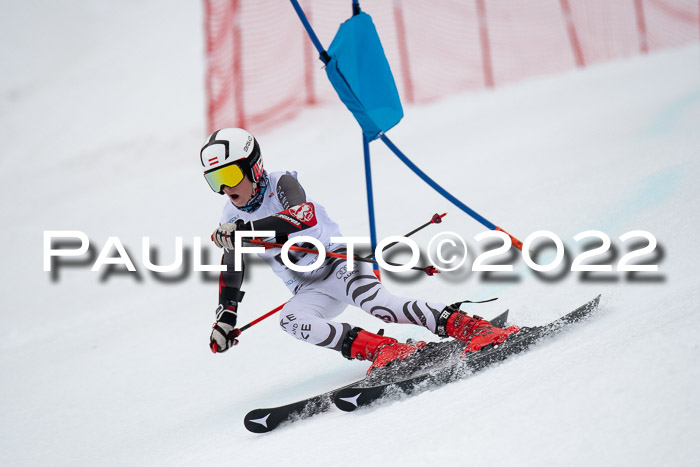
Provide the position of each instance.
(485, 222)
(370, 199)
(435, 186)
(323, 55)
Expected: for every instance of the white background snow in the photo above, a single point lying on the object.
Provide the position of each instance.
(101, 121)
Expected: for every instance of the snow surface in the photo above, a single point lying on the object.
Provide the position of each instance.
(101, 122)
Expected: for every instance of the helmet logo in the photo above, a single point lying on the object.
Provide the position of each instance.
(258, 169)
(247, 144)
(213, 161)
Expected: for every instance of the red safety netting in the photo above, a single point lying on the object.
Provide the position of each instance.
(262, 68)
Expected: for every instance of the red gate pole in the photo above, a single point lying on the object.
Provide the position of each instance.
(641, 27)
(403, 51)
(308, 66)
(485, 43)
(573, 37)
(238, 65)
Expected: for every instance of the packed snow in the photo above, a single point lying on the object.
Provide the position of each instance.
(101, 124)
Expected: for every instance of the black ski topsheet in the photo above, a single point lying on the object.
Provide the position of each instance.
(442, 370)
(264, 420)
(500, 320)
(437, 355)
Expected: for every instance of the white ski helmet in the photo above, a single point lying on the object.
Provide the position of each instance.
(228, 156)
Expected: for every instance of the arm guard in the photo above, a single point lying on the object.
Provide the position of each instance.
(230, 281)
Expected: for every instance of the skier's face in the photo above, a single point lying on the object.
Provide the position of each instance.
(241, 193)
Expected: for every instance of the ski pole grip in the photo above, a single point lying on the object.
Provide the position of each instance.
(437, 218)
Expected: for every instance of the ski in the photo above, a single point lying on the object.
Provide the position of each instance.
(267, 419)
(443, 370)
(500, 320)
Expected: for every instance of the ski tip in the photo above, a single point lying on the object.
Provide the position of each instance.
(348, 400)
(500, 320)
(259, 421)
(582, 312)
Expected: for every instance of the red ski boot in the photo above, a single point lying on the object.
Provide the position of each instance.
(476, 332)
(380, 350)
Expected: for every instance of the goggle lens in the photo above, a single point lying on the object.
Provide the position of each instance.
(229, 175)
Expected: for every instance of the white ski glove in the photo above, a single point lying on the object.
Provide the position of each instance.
(223, 236)
(224, 332)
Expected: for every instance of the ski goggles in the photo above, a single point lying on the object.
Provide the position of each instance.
(229, 175)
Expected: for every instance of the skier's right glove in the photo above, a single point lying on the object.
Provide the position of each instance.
(223, 236)
(224, 332)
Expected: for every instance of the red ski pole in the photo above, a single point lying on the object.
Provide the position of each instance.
(237, 332)
(436, 219)
(260, 318)
(429, 270)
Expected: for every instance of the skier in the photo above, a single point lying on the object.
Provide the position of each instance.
(256, 200)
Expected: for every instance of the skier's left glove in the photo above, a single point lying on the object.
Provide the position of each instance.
(224, 332)
(223, 236)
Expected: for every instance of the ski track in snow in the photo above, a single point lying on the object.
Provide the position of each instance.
(103, 137)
